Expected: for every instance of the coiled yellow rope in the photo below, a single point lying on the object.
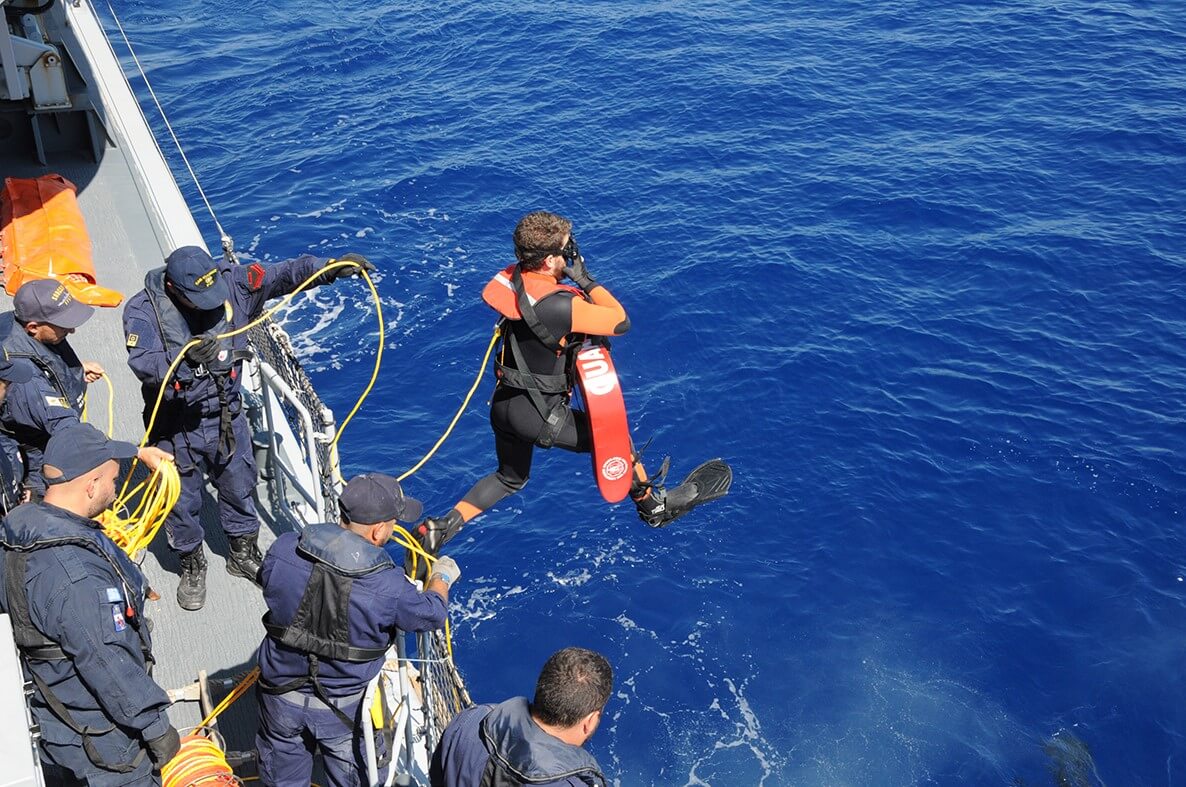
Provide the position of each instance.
(159, 493)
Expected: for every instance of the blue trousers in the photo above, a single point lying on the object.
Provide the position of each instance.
(67, 765)
(292, 727)
(234, 478)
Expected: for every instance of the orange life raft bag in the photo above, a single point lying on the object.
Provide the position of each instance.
(43, 236)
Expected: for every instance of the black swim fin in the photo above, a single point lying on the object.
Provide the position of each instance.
(707, 482)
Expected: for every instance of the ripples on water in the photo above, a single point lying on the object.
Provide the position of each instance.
(914, 269)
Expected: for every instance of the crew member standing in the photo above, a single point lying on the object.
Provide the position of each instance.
(11, 466)
(546, 323)
(539, 743)
(201, 419)
(335, 601)
(43, 314)
(77, 607)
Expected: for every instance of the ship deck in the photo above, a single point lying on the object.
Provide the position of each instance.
(222, 637)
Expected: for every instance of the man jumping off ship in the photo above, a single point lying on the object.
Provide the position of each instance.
(545, 325)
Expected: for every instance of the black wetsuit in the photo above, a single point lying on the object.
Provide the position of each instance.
(516, 420)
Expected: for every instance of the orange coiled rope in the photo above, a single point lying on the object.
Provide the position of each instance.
(201, 760)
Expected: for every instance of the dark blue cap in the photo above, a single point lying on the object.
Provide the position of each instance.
(373, 497)
(15, 372)
(194, 275)
(47, 300)
(79, 448)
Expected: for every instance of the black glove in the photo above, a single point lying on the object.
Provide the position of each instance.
(349, 270)
(577, 271)
(204, 352)
(163, 748)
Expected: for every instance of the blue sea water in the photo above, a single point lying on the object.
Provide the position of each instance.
(914, 269)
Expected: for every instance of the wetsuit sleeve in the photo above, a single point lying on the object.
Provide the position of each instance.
(603, 317)
(258, 283)
(148, 358)
(103, 647)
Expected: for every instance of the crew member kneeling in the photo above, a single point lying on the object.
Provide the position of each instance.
(540, 743)
(77, 608)
(336, 602)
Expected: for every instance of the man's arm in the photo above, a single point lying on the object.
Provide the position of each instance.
(259, 283)
(36, 404)
(414, 611)
(603, 317)
(147, 355)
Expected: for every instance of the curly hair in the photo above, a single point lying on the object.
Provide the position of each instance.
(573, 683)
(537, 235)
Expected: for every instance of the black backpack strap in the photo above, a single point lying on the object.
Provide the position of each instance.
(554, 416)
(30, 642)
(527, 312)
(88, 746)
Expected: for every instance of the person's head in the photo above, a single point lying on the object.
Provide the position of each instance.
(371, 503)
(48, 311)
(12, 373)
(572, 689)
(80, 467)
(193, 280)
(540, 238)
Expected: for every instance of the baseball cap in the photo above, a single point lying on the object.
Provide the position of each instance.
(15, 372)
(79, 448)
(373, 497)
(46, 300)
(194, 275)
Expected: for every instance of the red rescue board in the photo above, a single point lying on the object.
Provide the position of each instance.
(607, 421)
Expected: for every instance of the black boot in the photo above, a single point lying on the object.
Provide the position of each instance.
(245, 558)
(663, 506)
(431, 534)
(191, 590)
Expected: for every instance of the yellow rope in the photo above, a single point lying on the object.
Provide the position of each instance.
(229, 699)
(159, 493)
(86, 400)
(402, 537)
(464, 404)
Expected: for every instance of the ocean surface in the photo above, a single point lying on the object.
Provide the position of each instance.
(914, 269)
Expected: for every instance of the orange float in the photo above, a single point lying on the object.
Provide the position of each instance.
(43, 235)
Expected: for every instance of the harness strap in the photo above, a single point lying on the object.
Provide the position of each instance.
(544, 383)
(343, 652)
(553, 416)
(88, 746)
(226, 430)
(527, 312)
(31, 642)
(318, 690)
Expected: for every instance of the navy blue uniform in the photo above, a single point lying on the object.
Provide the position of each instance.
(502, 744)
(189, 424)
(351, 597)
(36, 409)
(86, 596)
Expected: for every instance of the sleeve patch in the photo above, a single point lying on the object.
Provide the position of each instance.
(255, 276)
(133, 339)
(57, 401)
